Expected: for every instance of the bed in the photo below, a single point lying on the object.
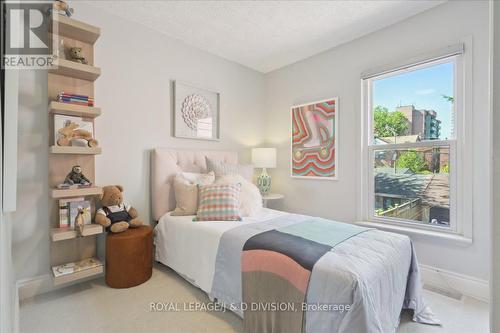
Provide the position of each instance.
(374, 273)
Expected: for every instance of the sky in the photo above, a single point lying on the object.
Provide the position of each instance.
(423, 88)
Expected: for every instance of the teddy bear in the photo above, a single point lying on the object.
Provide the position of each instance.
(115, 215)
(76, 55)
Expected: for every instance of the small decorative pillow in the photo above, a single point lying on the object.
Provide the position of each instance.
(250, 197)
(218, 203)
(186, 191)
(224, 169)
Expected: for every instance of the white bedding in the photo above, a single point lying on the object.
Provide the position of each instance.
(190, 248)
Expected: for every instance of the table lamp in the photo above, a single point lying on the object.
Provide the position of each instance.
(264, 158)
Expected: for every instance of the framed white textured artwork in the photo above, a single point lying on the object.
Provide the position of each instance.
(196, 112)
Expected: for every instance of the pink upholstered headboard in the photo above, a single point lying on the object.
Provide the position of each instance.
(166, 163)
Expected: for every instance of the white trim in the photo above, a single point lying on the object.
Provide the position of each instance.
(447, 52)
(336, 99)
(454, 282)
(9, 187)
(414, 231)
(27, 288)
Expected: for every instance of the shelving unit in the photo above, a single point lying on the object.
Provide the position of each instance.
(72, 77)
(75, 150)
(68, 109)
(75, 70)
(76, 192)
(75, 29)
(60, 234)
(95, 271)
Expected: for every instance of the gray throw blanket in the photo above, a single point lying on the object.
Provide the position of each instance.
(361, 284)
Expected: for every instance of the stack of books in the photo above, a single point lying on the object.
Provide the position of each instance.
(68, 210)
(75, 99)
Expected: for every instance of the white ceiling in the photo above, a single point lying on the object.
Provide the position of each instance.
(266, 35)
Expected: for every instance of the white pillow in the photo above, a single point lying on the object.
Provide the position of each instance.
(250, 197)
(196, 178)
(225, 169)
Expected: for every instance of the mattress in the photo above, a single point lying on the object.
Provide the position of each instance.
(191, 248)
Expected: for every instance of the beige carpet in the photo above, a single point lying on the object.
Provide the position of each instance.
(93, 307)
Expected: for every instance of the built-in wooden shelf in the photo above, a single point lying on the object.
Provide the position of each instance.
(76, 192)
(75, 70)
(78, 275)
(69, 109)
(60, 234)
(75, 150)
(75, 29)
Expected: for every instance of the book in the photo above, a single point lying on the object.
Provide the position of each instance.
(64, 221)
(74, 267)
(73, 212)
(64, 186)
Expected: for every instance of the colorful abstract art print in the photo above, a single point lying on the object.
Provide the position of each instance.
(314, 140)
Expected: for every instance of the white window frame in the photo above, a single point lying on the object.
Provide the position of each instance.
(460, 166)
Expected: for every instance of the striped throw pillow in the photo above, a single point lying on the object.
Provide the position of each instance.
(218, 203)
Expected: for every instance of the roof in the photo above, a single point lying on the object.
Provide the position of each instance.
(433, 189)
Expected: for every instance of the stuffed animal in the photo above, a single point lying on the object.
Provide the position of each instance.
(76, 54)
(60, 7)
(71, 132)
(115, 215)
(76, 177)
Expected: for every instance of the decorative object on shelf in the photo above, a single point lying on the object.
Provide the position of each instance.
(64, 211)
(75, 178)
(74, 267)
(315, 140)
(74, 210)
(74, 131)
(70, 98)
(60, 7)
(264, 158)
(76, 55)
(196, 112)
(80, 220)
(60, 51)
(115, 215)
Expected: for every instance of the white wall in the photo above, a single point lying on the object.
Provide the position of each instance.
(337, 73)
(135, 95)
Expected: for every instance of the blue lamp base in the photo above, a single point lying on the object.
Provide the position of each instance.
(264, 182)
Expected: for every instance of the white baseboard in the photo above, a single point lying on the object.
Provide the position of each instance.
(454, 282)
(42, 284)
(32, 287)
(439, 278)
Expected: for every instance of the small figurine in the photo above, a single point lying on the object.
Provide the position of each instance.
(76, 54)
(76, 177)
(80, 220)
(61, 7)
(70, 132)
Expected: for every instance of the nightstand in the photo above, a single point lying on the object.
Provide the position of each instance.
(271, 196)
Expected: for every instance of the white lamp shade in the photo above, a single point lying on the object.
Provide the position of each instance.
(264, 157)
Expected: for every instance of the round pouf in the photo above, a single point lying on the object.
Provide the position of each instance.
(129, 257)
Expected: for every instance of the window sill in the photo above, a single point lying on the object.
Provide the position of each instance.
(452, 238)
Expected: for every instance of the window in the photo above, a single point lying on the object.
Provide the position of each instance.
(412, 144)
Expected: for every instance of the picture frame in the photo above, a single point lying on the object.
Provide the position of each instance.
(196, 112)
(314, 140)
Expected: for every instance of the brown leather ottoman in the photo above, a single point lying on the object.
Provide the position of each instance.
(129, 257)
